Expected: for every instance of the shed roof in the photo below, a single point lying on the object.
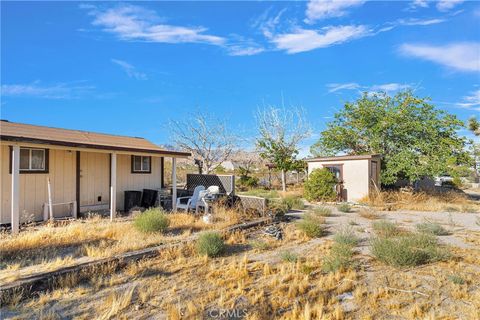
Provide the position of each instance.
(12, 131)
(344, 158)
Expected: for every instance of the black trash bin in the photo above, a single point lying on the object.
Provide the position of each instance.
(149, 198)
(132, 199)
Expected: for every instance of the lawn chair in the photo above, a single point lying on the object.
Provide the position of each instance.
(190, 202)
(208, 196)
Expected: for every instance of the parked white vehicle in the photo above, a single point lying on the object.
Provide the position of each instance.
(443, 180)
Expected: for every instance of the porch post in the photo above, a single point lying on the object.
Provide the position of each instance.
(15, 189)
(162, 172)
(113, 186)
(174, 184)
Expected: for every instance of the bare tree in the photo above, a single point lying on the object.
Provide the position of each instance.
(207, 138)
(280, 131)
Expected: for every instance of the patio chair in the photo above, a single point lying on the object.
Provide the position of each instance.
(190, 202)
(210, 193)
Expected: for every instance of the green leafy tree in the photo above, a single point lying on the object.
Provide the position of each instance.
(414, 137)
(320, 186)
(280, 132)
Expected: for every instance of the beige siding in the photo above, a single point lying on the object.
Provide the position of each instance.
(94, 181)
(135, 181)
(355, 176)
(33, 187)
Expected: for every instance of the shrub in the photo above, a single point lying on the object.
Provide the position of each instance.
(259, 244)
(311, 226)
(210, 244)
(346, 236)
(344, 207)
(369, 213)
(152, 220)
(322, 211)
(340, 257)
(278, 208)
(456, 279)
(288, 256)
(293, 202)
(320, 186)
(248, 181)
(384, 228)
(407, 251)
(432, 228)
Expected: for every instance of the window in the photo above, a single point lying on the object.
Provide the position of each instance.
(336, 170)
(141, 164)
(32, 160)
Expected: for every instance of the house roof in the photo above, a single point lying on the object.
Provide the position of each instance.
(11, 131)
(344, 158)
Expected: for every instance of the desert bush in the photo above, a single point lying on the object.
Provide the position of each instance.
(432, 228)
(152, 220)
(322, 211)
(346, 236)
(340, 257)
(407, 251)
(369, 213)
(311, 225)
(293, 202)
(320, 186)
(344, 207)
(259, 244)
(278, 208)
(384, 228)
(288, 256)
(210, 244)
(248, 181)
(456, 279)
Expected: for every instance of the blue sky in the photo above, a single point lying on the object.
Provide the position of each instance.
(127, 68)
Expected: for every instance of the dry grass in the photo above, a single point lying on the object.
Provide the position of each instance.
(271, 289)
(52, 246)
(420, 201)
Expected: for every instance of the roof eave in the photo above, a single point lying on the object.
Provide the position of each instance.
(93, 146)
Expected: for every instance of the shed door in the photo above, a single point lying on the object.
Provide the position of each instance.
(94, 181)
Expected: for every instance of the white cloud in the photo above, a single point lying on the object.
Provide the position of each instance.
(389, 87)
(419, 3)
(386, 87)
(459, 56)
(445, 5)
(333, 87)
(239, 50)
(301, 40)
(420, 22)
(471, 101)
(129, 22)
(57, 91)
(322, 9)
(130, 70)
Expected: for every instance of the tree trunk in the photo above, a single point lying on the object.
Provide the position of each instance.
(284, 184)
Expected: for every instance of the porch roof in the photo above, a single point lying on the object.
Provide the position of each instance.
(19, 132)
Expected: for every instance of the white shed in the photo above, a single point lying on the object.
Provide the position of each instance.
(360, 174)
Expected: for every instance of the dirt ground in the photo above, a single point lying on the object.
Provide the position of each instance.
(258, 282)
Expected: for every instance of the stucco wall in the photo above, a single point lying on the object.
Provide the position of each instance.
(355, 176)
